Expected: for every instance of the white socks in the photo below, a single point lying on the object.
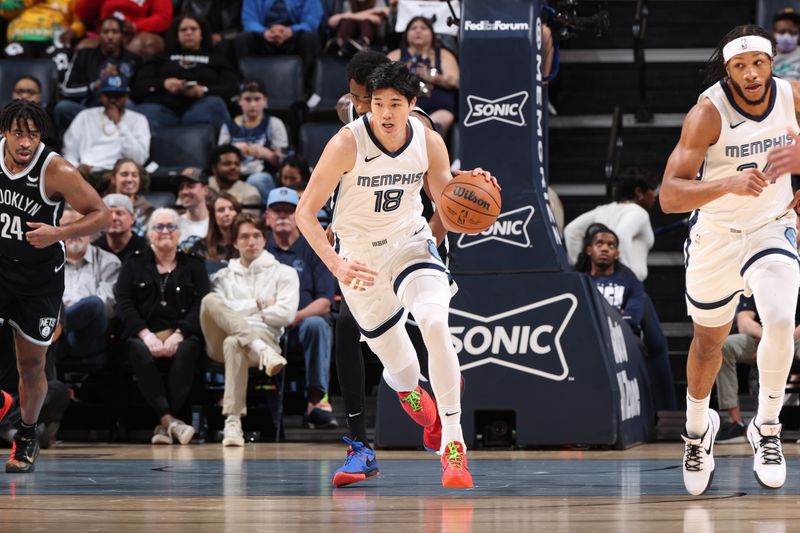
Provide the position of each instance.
(696, 416)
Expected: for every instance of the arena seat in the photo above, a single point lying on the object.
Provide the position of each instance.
(330, 83)
(43, 70)
(313, 138)
(174, 148)
(282, 76)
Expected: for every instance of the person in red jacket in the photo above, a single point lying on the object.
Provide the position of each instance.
(143, 19)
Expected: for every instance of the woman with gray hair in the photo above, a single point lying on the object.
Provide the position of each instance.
(158, 302)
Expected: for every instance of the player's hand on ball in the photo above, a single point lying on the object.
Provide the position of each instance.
(478, 171)
(784, 158)
(355, 275)
(750, 182)
(42, 235)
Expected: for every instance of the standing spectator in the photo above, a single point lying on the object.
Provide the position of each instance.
(786, 28)
(100, 136)
(356, 26)
(42, 24)
(311, 330)
(120, 239)
(218, 246)
(142, 21)
(89, 67)
(436, 66)
(253, 299)
(158, 302)
(261, 138)
(293, 171)
(281, 27)
(628, 217)
(193, 196)
(89, 277)
(226, 164)
(27, 88)
(128, 178)
(189, 83)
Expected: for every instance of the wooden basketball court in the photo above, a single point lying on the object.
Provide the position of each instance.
(287, 487)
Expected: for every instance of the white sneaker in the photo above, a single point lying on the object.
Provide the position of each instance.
(233, 435)
(183, 433)
(769, 465)
(271, 361)
(161, 436)
(698, 458)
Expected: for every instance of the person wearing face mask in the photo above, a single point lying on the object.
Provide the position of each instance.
(786, 28)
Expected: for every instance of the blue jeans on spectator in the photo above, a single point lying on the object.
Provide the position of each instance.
(262, 181)
(314, 337)
(207, 110)
(86, 325)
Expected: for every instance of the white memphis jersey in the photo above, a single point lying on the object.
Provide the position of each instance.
(744, 142)
(380, 196)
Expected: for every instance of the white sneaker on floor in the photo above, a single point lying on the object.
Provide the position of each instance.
(233, 435)
(769, 464)
(161, 436)
(698, 457)
(183, 433)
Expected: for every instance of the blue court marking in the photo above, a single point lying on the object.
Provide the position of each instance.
(176, 478)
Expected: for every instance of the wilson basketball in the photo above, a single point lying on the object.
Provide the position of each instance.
(470, 203)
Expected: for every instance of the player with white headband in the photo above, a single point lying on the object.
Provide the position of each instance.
(742, 239)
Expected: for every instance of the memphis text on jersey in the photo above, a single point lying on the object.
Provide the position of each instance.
(756, 147)
(389, 179)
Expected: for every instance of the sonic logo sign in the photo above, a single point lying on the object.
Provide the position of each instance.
(526, 339)
(510, 228)
(507, 109)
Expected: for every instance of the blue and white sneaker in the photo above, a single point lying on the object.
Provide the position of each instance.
(359, 464)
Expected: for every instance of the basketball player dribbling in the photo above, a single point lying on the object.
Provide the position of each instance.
(384, 256)
(35, 182)
(742, 238)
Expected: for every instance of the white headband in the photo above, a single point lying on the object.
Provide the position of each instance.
(748, 43)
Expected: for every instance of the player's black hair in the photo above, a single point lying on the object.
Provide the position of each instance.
(625, 188)
(120, 23)
(222, 149)
(584, 263)
(17, 113)
(715, 68)
(363, 64)
(394, 75)
(28, 77)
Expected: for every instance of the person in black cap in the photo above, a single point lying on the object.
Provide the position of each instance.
(785, 29)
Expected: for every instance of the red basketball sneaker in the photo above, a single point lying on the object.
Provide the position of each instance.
(455, 472)
(420, 406)
(7, 402)
(432, 436)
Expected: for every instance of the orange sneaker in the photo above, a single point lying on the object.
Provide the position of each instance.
(420, 406)
(432, 436)
(455, 472)
(8, 401)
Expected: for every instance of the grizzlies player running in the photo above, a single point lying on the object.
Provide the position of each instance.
(387, 264)
(34, 184)
(742, 238)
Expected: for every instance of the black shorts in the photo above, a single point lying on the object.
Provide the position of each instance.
(30, 299)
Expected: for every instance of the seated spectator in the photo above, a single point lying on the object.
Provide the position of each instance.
(218, 245)
(625, 293)
(281, 27)
(142, 21)
(224, 20)
(40, 25)
(243, 318)
(786, 29)
(436, 66)
(741, 348)
(293, 170)
(89, 67)
(100, 136)
(27, 88)
(310, 331)
(193, 196)
(128, 178)
(119, 239)
(189, 83)
(226, 164)
(628, 216)
(158, 303)
(261, 138)
(89, 277)
(356, 26)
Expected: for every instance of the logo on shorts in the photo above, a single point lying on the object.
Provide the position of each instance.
(526, 339)
(46, 326)
(510, 227)
(791, 236)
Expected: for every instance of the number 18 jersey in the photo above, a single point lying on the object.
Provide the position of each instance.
(380, 196)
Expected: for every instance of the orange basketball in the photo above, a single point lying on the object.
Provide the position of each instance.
(470, 203)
